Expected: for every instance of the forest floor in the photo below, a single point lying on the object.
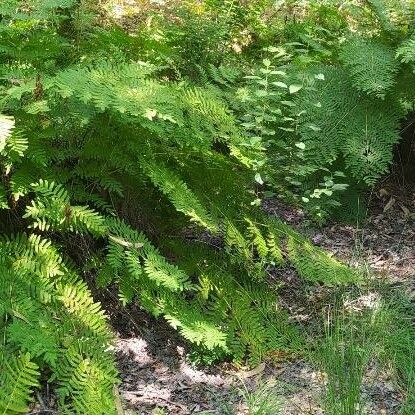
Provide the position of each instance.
(157, 378)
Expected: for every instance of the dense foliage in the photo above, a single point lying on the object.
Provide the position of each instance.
(133, 156)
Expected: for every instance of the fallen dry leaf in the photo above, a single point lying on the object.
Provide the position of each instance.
(405, 210)
(383, 192)
(388, 205)
(256, 371)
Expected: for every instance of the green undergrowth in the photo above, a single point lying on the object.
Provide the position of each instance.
(376, 328)
(127, 149)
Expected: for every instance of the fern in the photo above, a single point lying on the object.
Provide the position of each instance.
(18, 378)
(406, 50)
(52, 209)
(88, 381)
(40, 341)
(257, 239)
(97, 153)
(155, 267)
(48, 306)
(372, 65)
(379, 8)
(78, 302)
(274, 249)
(346, 124)
(180, 195)
(123, 89)
(316, 265)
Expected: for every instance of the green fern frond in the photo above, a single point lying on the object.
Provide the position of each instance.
(346, 125)
(3, 198)
(163, 273)
(19, 376)
(37, 336)
(196, 328)
(87, 381)
(212, 113)
(258, 240)
(84, 219)
(224, 75)
(406, 50)
(79, 303)
(33, 255)
(183, 199)
(372, 65)
(23, 176)
(122, 88)
(368, 140)
(52, 210)
(314, 264)
(274, 249)
(382, 14)
(16, 146)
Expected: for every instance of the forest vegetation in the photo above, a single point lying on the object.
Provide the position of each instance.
(140, 143)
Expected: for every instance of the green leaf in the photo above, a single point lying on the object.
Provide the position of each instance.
(262, 82)
(294, 88)
(340, 186)
(282, 73)
(280, 84)
(37, 107)
(300, 145)
(258, 179)
(314, 127)
(261, 93)
(288, 103)
(273, 49)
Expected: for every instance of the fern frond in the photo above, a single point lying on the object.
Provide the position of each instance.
(156, 267)
(122, 88)
(372, 65)
(52, 210)
(211, 113)
(183, 199)
(37, 336)
(79, 303)
(16, 146)
(314, 264)
(406, 50)
(194, 327)
(368, 140)
(257, 239)
(19, 376)
(224, 75)
(274, 248)
(382, 14)
(3, 198)
(346, 125)
(86, 382)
